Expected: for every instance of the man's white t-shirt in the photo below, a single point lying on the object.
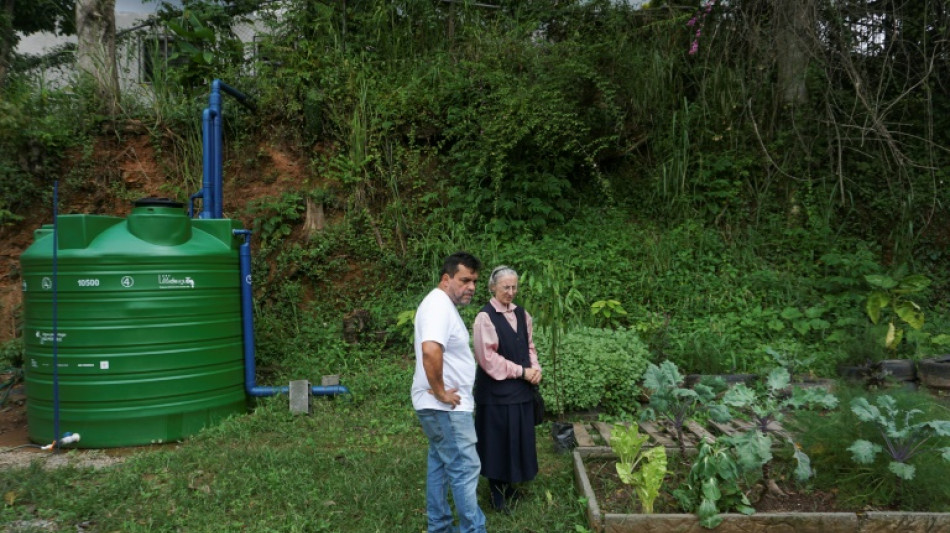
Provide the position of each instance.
(438, 320)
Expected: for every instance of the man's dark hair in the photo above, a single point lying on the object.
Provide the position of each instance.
(451, 264)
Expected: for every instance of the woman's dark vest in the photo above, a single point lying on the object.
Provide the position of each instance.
(513, 346)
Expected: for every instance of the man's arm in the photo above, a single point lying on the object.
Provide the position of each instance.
(432, 364)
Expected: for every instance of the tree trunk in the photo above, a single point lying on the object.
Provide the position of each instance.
(7, 38)
(795, 24)
(95, 51)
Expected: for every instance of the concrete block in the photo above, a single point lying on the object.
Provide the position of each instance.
(300, 396)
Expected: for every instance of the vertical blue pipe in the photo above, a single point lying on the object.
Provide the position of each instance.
(212, 201)
(55, 316)
(247, 323)
(214, 102)
(208, 156)
(247, 333)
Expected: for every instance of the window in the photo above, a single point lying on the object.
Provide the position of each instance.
(157, 55)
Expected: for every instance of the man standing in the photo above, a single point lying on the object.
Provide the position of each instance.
(442, 397)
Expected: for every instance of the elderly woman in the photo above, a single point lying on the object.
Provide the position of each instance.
(508, 368)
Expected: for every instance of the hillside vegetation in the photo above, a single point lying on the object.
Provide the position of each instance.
(717, 179)
(724, 184)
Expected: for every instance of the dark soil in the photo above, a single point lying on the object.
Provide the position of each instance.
(613, 496)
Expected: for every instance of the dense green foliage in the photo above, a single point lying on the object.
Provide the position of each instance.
(597, 368)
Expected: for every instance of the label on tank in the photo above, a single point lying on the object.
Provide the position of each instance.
(167, 281)
(45, 337)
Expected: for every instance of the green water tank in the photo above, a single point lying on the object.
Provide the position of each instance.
(147, 315)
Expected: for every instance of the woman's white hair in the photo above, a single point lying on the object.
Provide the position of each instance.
(497, 273)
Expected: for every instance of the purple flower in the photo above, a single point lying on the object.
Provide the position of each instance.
(691, 22)
(694, 48)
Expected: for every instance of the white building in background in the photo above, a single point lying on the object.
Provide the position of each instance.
(135, 52)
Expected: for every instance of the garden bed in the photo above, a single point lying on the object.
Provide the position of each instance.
(608, 502)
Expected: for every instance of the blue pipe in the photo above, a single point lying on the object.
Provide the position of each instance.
(208, 157)
(55, 314)
(214, 102)
(247, 328)
(212, 148)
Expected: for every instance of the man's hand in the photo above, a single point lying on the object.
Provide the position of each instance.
(450, 397)
(432, 363)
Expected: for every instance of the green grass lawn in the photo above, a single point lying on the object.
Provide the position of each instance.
(354, 465)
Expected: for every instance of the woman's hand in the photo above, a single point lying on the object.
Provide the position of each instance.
(532, 375)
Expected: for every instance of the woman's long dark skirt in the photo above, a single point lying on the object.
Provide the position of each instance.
(506, 443)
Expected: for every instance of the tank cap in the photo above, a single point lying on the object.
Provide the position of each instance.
(158, 202)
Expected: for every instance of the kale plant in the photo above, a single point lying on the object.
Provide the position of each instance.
(676, 403)
(765, 407)
(902, 439)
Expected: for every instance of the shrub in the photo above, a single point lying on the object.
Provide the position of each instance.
(598, 368)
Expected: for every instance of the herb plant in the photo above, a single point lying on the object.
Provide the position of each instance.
(644, 469)
(902, 439)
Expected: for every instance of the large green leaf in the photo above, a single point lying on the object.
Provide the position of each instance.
(881, 281)
(910, 312)
(708, 514)
(863, 451)
(902, 470)
(753, 449)
(940, 427)
(877, 300)
(803, 469)
(711, 490)
(865, 411)
(912, 284)
(893, 337)
(739, 396)
(778, 379)
(649, 479)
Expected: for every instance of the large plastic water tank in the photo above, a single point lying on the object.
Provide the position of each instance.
(148, 326)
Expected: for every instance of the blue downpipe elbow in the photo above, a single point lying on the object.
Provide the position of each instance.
(247, 330)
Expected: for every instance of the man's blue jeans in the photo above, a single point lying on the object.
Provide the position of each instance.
(453, 462)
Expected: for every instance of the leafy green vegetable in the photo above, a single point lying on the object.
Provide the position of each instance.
(902, 439)
(627, 443)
